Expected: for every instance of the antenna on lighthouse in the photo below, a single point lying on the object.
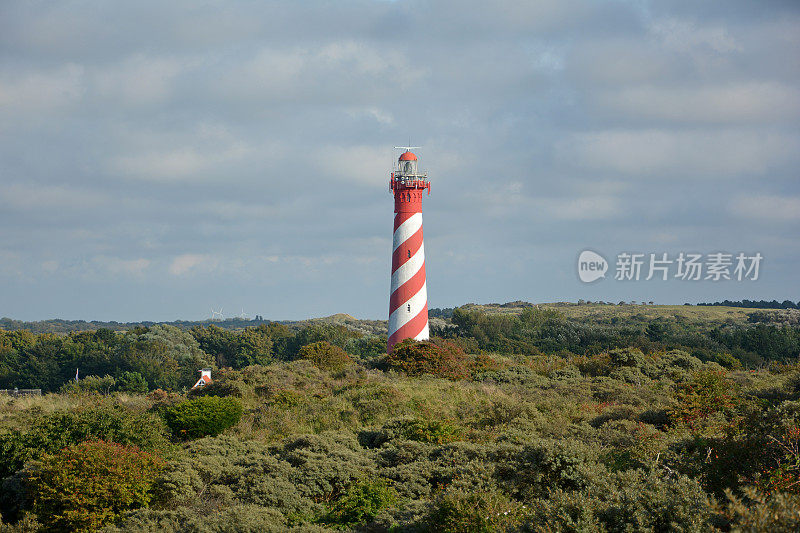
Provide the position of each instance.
(406, 148)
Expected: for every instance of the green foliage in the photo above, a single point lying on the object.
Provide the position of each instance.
(757, 512)
(90, 484)
(91, 384)
(459, 511)
(325, 356)
(94, 421)
(367, 347)
(131, 382)
(362, 502)
(430, 431)
(708, 392)
(597, 418)
(625, 501)
(204, 416)
(443, 360)
(252, 346)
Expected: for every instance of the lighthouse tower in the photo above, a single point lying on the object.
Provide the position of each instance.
(408, 299)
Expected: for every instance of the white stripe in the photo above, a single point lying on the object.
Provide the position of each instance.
(424, 334)
(407, 270)
(402, 315)
(406, 230)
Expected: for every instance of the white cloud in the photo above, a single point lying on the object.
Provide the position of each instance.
(766, 207)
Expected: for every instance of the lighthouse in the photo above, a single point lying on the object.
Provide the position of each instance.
(408, 297)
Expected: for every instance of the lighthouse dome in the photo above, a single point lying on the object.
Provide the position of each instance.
(408, 156)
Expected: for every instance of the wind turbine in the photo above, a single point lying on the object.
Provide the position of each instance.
(217, 314)
(243, 316)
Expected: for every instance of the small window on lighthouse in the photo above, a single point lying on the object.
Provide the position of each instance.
(409, 308)
(409, 254)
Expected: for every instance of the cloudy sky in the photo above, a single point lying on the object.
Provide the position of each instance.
(158, 159)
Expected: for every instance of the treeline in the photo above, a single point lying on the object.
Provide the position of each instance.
(58, 325)
(160, 356)
(168, 357)
(548, 331)
(757, 304)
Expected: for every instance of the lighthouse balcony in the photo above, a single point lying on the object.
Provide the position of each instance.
(410, 183)
(409, 179)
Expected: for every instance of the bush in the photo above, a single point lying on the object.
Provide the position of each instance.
(204, 416)
(761, 512)
(131, 382)
(361, 503)
(325, 356)
(708, 392)
(627, 501)
(457, 511)
(430, 431)
(91, 384)
(426, 357)
(66, 428)
(90, 484)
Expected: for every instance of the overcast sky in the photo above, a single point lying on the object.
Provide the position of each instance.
(158, 159)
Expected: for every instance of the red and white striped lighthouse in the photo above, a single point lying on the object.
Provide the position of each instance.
(408, 299)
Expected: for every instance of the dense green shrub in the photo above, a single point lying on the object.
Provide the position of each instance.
(431, 431)
(90, 484)
(757, 512)
(325, 464)
(91, 384)
(458, 511)
(625, 501)
(204, 416)
(95, 421)
(229, 471)
(131, 382)
(324, 355)
(362, 502)
(536, 468)
(244, 518)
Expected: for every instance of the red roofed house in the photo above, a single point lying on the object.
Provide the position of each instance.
(205, 378)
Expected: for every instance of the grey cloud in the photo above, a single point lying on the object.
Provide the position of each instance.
(161, 158)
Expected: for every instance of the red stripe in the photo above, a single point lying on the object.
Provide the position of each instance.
(408, 289)
(411, 329)
(401, 255)
(399, 218)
